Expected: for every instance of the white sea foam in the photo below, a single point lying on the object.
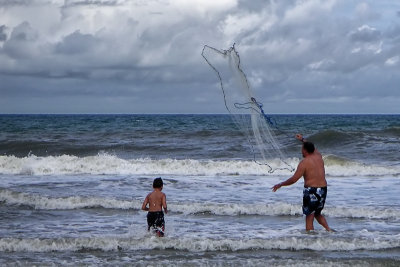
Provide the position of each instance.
(112, 165)
(66, 203)
(226, 209)
(319, 242)
(285, 209)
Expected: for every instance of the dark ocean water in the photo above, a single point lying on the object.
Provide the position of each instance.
(71, 188)
(193, 136)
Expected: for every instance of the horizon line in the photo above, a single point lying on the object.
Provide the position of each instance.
(196, 114)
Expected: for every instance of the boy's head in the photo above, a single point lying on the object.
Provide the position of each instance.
(158, 183)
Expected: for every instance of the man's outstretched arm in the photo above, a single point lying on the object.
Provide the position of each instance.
(296, 176)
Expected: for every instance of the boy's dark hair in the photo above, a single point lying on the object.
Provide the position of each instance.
(158, 183)
(309, 147)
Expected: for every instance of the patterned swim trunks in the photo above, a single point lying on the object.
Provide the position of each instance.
(155, 220)
(314, 200)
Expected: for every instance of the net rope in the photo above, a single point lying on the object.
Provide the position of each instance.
(247, 113)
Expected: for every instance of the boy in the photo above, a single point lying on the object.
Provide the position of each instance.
(157, 201)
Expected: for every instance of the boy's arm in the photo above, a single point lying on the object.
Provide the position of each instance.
(145, 202)
(164, 203)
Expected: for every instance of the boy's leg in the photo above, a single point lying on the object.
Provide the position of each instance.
(310, 222)
(160, 224)
(151, 220)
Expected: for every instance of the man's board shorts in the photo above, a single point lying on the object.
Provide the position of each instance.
(314, 200)
(155, 220)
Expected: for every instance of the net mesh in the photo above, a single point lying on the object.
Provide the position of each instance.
(247, 113)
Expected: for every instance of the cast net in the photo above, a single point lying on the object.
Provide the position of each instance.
(247, 113)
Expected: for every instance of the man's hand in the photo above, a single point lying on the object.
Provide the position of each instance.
(300, 137)
(276, 187)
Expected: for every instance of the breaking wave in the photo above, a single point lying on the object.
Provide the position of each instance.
(106, 164)
(318, 242)
(40, 202)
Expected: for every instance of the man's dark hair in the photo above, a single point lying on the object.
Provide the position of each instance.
(309, 147)
(158, 183)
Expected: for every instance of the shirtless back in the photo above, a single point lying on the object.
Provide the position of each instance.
(313, 168)
(156, 200)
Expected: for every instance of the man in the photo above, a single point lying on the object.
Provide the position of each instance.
(315, 185)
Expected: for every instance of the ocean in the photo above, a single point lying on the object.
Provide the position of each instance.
(71, 189)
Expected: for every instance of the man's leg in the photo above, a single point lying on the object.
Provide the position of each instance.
(321, 220)
(310, 222)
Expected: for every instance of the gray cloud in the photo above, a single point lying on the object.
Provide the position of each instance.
(365, 34)
(14, 2)
(70, 3)
(76, 43)
(21, 43)
(323, 53)
(3, 34)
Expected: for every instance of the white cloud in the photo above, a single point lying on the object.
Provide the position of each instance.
(365, 33)
(364, 11)
(393, 61)
(202, 6)
(321, 65)
(306, 11)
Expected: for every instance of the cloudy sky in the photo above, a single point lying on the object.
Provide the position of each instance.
(144, 56)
